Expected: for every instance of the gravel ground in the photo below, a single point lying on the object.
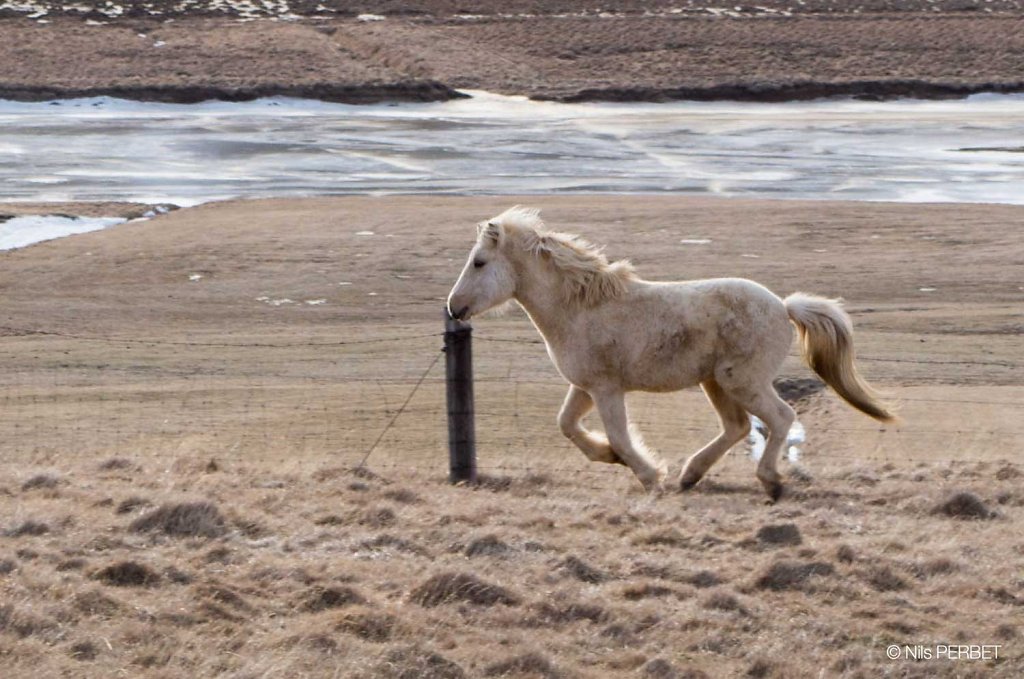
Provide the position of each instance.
(571, 51)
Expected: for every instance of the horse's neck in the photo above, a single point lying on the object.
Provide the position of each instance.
(541, 297)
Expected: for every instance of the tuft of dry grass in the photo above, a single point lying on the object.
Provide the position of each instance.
(28, 527)
(115, 464)
(186, 519)
(581, 570)
(415, 662)
(127, 574)
(488, 545)
(779, 534)
(532, 664)
(44, 480)
(369, 625)
(324, 598)
(783, 575)
(964, 505)
(130, 504)
(447, 588)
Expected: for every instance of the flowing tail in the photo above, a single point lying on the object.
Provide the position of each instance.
(826, 342)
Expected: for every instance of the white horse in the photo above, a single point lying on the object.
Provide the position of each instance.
(609, 332)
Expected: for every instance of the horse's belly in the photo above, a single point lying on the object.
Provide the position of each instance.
(667, 376)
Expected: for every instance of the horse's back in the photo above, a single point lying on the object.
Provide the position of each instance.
(674, 335)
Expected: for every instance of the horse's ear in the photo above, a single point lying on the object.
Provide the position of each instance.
(492, 233)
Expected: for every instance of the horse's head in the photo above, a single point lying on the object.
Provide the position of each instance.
(489, 278)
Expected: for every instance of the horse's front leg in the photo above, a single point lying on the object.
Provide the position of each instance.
(648, 466)
(570, 420)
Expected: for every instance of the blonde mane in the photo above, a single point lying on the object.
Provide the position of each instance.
(588, 278)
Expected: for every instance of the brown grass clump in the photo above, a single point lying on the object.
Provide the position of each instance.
(724, 601)
(554, 614)
(669, 537)
(385, 541)
(884, 579)
(186, 519)
(488, 545)
(115, 464)
(703, 579)
(402, 496)
(378, 517)
(782, 575)
(29, 527)
(964, 505)
(41, 481)
(95, 602)
(446, 588)
(532, 663)
(324, 598)
(368, 625)
(23, 623)
(83, 650)
(659, 668)
(131, 504)
(779, 534)
(582, 571)
(414, 662)
(646, 590)
(845, 554)
(127, 574)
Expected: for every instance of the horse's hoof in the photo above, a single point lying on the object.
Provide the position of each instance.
(774, 490)
(687, 484)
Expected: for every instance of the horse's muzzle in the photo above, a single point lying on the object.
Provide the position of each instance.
(460, 314)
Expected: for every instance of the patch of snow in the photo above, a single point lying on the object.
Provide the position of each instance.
(19, 232)
(756, 439)
(695, 241)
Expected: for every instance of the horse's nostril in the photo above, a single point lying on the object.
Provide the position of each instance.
(461, 313)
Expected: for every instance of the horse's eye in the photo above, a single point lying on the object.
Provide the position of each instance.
(477, 264)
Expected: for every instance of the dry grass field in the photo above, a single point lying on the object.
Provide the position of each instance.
(185, 403)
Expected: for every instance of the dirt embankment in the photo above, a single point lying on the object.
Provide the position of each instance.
(426, 51)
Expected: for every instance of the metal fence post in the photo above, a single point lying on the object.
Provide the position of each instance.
(458, 348)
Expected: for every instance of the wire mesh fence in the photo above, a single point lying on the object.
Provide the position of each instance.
(379, 400)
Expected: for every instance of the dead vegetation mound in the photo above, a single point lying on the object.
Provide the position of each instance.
(447, 588)
(41, 481)
(488, 545)
(28, 527)
(127, 574)
(582, 571)
(324, 598)
(414, 662)
(115, 464)
(368, 625)
(553, 614)
(532, 664)
(185, 519)
(783, 575)
(779, 534)
(964, 505)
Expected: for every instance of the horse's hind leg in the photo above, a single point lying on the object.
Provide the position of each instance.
(778, 416)
(735, 426)
(577, 404)
(649, 468)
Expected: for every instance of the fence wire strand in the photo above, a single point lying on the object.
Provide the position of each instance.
(303, 410)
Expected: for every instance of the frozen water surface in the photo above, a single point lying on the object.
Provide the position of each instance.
(107, 149)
